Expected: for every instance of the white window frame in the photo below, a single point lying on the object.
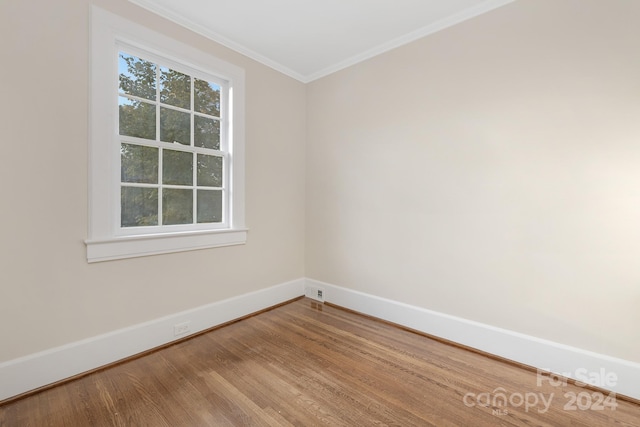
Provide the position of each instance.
(106, 238)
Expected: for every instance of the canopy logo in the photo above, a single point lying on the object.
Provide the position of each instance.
(502, 403)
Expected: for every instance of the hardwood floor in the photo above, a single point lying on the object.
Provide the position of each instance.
(307, 364)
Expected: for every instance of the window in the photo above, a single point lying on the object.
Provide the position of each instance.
(166, 147)
(172, 153)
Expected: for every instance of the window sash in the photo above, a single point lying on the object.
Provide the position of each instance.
(160, 64)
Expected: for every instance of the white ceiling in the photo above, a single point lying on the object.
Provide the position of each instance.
(308, 39)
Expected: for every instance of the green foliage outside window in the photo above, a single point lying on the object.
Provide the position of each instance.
(189, 115)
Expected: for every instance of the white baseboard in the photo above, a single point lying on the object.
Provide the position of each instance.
(582, 365)
(36, 370)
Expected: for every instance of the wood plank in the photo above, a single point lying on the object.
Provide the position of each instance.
(305, 364)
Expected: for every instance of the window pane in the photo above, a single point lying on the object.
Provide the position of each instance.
(177, 168)
(138, 206)
(175, 88)
(137, 118)
(138, 164)
(137, 76)
(175, 126)
(209, 171)
(206, 133)
(209, 206)
(177, 206)
(207, 97)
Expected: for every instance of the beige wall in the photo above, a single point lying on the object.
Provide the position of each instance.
(490, 171)
(49, 295)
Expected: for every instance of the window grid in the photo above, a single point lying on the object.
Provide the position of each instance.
(179, 147)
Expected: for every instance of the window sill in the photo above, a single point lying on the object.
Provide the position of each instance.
(138, 246)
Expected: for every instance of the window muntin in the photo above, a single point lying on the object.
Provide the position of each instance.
(173, 167)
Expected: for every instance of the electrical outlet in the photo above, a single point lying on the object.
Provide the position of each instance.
(181, 328)
(315, 293)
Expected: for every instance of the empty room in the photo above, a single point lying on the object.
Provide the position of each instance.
(298, 212)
